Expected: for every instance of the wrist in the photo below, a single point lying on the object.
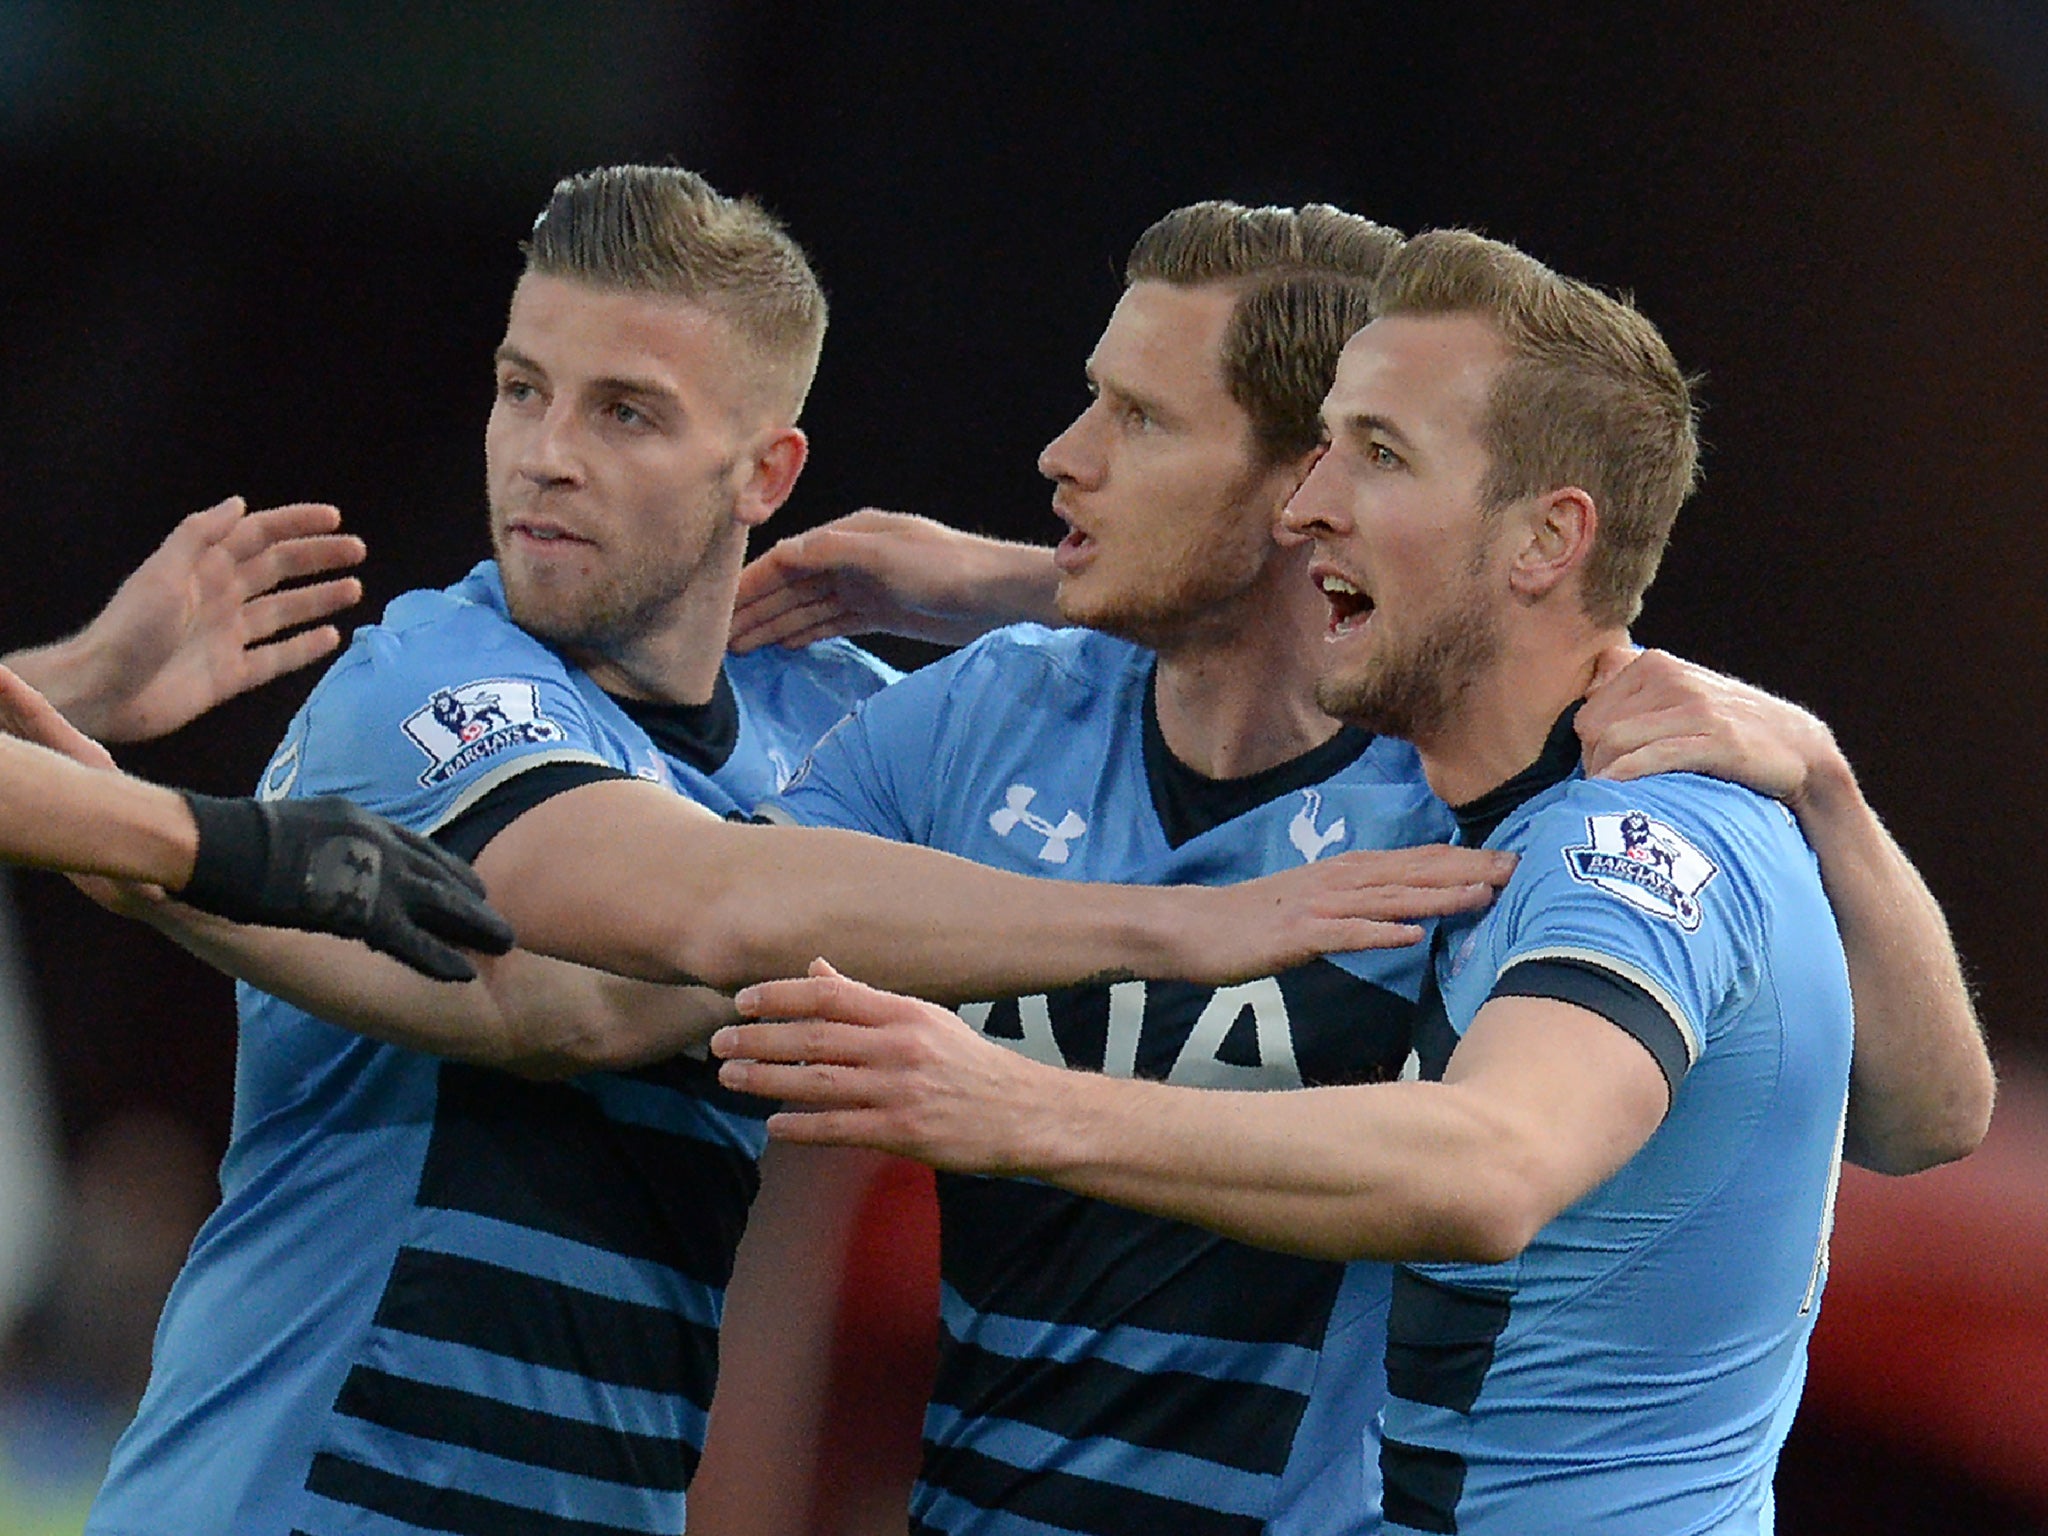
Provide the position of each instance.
(1020, 582)
(1829, 788)
(73, 675)
(231, 857)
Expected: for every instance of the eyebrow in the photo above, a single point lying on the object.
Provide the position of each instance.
(1359, 424)
(614, 384)
(1151, 405)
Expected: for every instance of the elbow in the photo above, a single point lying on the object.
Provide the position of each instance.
(1485, 1220)
(1493, 1231)
(1955, 1129)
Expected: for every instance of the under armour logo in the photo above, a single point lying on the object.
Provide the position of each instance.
(342, 879)
(1302, 832)
(1017, 812)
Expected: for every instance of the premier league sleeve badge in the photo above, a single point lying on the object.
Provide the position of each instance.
(1647, 863)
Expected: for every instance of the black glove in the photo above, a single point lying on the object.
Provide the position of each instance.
(333, 867)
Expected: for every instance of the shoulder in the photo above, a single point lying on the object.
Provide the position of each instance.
(836, 667)
(437, 638)
(1726, 821)
(1080, 664)
(1672, 846)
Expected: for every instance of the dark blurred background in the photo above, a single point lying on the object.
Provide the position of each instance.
(266, 249)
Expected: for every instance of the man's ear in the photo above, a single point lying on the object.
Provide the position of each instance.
(1558, 529)
(778, 458)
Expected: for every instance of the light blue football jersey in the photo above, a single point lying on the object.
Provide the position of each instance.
(1101, 1370)
(1635, 1370)
(435, 1296)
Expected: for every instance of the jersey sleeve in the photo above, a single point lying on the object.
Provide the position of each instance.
(422, 724)
(874, 770)
(1627, 903)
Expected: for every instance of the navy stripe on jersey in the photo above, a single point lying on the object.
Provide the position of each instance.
(546, 1157)
(584, 1233)
(1440, 1339)
(1421, 1486)
(515, 1433)
(1119, 1268)
(1343, 1029)
(1239, 1425)
(964, 1483)
(1163, 1369)
(436, 1508)
(483, 1306)
(1110, 1371)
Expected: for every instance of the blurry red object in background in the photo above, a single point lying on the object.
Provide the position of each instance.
(1934, 1332)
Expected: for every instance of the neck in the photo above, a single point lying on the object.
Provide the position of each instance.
(1502, 722)
(675, 659)
(1236, 695)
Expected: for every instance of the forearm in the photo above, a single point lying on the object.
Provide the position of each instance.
(1921, 1082)
(524, 1013)
(1387, 1171)
(56, 814)
(1015, 584)
(71, 674)
(727, 905)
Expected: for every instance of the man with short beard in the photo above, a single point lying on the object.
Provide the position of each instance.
(1106, 1369)
(439, 1296)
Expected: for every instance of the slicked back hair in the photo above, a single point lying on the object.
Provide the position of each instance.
(1590, 396)
(665, 231)
(1305, 278)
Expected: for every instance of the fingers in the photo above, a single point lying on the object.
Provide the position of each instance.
(1434, 864)
(453, 913)
(424, 954)
(275, 612)
(263, 663)
(296, 558)
(828, 1128)
(1404, 903)
(796, 615)
(824, 994)
(1611, 663)
(1342, 935)
(27, 714)
(258, 531)
(204, 529)
(1666, 754)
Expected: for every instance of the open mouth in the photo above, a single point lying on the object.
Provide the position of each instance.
(1349, 606)
(1076, 549)
(546, 533)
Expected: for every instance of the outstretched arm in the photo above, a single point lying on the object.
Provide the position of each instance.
(1921, 1084)
(875, 572)
(1543, 1100)
(194, 624)
(315, 864)
(627, 876)
(523, 1012)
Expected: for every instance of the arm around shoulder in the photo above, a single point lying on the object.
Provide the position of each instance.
(1921, 1084)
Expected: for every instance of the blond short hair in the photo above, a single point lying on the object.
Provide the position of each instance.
(1305, 277)
(666, 231)
(1590, 396)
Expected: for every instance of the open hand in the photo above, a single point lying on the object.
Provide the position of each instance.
(876, 572)
(860, 1067)
(1650, 712)
(195, 624)
(1363, 900)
